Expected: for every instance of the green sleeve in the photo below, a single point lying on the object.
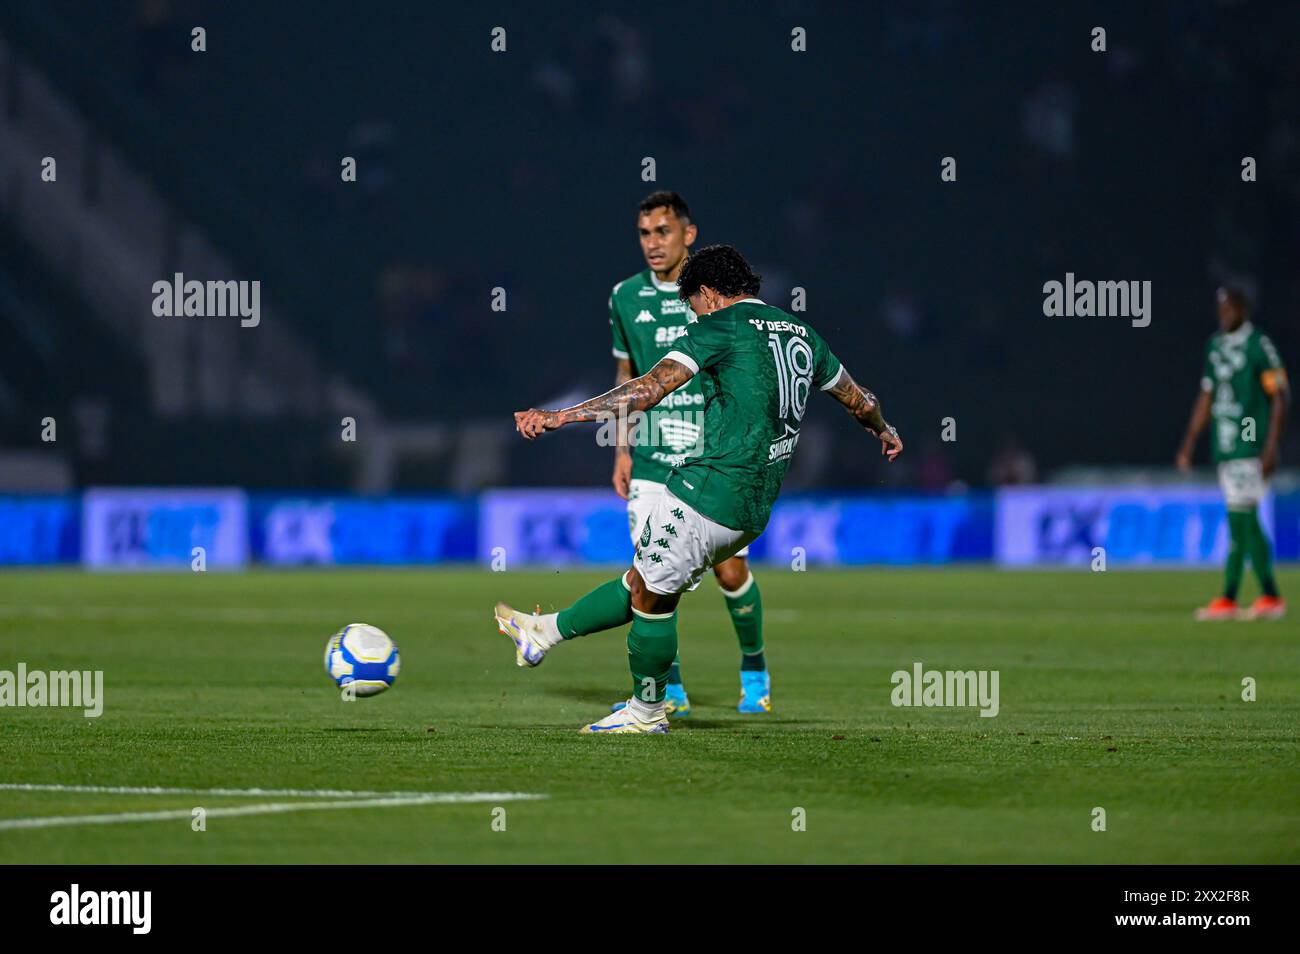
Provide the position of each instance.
(616, 327)
(826, 367)
(1269, 371)
(1268, 356)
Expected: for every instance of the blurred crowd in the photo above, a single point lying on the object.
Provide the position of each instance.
(478, 173)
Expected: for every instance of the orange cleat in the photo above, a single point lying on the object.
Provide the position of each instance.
(1220, 608)
(1267, 607)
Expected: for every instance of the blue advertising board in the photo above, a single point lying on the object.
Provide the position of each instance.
(590, 526)
(1018, 527)
(295, 531)
(1156, 526)
(158, 528)
(39, 530)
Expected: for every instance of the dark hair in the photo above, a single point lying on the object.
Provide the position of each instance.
(721, 268)
(662, 199)
(1237, 294)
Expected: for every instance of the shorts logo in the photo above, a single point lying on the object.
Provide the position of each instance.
(645, 534)
(656, 558)
(663, 544)
(677, 512)
(669, 529)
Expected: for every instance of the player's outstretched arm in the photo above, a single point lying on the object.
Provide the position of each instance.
(865, 408)
(622, 478)
(639, 394)
(1200, 417)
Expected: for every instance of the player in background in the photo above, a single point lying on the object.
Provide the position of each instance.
(757, 367)
(1244, 391)
(646, 316)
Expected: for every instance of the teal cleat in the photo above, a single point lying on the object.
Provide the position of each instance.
(676, 705)
(755, 691)
(675, 702)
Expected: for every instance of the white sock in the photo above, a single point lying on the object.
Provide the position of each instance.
(646, 711)
(548, 630)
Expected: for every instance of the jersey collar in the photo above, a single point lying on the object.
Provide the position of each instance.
(662, 286)
(1240, 335)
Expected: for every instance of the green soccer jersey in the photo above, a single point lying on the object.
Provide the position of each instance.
(757, 366)
(1242, 369)
(646, 317)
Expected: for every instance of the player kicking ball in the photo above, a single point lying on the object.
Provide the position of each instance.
(757, 367)
(646, 316)
(1244, 390)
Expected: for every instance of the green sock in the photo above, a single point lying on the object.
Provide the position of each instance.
(607, 606)
(675, 671)
(746, 606)
(651, 649)
(1237, 523)
(1261, 553)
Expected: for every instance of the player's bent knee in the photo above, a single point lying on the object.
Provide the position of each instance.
(644, 599)
(635, 584)
(732, 573)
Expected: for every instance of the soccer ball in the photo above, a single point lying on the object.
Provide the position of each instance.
(362, 657)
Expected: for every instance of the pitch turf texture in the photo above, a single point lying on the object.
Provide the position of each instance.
(1111, 697)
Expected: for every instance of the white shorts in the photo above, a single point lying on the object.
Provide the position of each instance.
(1243, 482)
(676, 543)
(642, 495)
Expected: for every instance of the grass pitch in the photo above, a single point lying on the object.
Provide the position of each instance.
(1110, 697)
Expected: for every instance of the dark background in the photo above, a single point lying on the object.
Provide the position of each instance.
(522, 170)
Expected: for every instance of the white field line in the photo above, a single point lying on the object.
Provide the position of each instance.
(245, 792)
(267, 808)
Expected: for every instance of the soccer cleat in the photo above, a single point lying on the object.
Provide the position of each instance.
(521, 627)
(675, 702)
(1220, 608)
(755, 691)
(625, 721)
(1267, 607)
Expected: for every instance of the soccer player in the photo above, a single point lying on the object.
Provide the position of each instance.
(1244, 389)
(757, 366)
(646, 316)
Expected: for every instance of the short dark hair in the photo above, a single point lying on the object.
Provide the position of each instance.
(1236, 293)
(721, 268)
(665, 199)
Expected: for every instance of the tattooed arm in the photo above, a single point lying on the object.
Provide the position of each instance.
(638, 394)
(864, 407)
(622, 478)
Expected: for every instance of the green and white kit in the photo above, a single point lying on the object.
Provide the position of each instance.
(646, 317)
(757, 367)
(1237, 366)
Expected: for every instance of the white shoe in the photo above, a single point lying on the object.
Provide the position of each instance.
(523, 631)
(626, 720)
